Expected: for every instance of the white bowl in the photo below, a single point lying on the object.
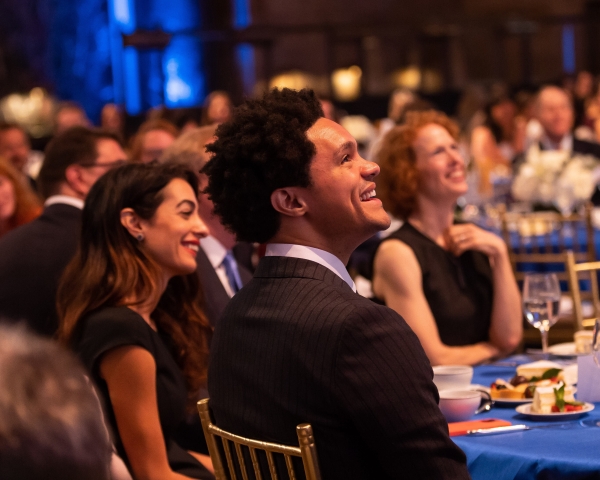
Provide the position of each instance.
(459, 405)
(449, 377)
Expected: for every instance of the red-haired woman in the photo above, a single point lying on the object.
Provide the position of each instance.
(18, 203)
(129, 306)
(452, 283)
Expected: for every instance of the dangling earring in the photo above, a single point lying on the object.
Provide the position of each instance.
(140, 237)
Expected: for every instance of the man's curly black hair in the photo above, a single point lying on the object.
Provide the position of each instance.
(263, 147)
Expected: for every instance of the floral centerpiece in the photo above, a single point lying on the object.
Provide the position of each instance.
(555, 177)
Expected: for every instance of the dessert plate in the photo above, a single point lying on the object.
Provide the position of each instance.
(564, 350)
(511, 402)
(476, 386)
(526, 410)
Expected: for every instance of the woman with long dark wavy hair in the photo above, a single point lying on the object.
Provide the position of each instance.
(129, 305)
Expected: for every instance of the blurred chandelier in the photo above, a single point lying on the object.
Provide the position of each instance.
(346, 83)
(33, 111)
(412, 77)
(294, 79)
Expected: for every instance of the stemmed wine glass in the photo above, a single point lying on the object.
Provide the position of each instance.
(596, 342)
(541, 299)
(565, 200)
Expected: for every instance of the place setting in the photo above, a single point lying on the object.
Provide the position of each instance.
(580, 346)
(556, 391)
(537, 391)
(545, 390)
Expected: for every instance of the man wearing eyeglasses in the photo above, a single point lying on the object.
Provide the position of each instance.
(33, 256)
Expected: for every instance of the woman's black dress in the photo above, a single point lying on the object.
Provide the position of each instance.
(112, 327)
(459, 290)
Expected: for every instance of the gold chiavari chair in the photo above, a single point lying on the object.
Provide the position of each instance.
(536, 238)
(591, 295)
(306, 451)
(539, 237)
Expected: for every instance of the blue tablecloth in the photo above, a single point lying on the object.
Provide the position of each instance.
(551, 453)
(555, 241)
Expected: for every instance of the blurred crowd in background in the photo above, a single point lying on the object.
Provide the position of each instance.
(498, 126)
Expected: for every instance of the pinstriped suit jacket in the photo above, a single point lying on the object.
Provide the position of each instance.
(296, 345)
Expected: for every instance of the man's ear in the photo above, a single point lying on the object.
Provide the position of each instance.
(132, 222)
(74, 178)
(288, 201)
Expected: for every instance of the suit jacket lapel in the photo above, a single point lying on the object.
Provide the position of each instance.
(215, 296)
(245, 274)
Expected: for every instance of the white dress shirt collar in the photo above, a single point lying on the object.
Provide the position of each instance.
(215, 251)
(566, 144)
(64, 199)
(328, 260)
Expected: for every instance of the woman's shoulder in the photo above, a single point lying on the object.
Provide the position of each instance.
(114, 318)
(401, 239)
(108, 328)
(408, 238)
(396, 245)
(396, 255)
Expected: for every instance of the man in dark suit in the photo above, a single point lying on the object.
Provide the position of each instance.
(297, 344)
(554, 111)
(33, 256)
(222, 264)
(217, 291)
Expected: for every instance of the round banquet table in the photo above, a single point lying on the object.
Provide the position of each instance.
(571, 452)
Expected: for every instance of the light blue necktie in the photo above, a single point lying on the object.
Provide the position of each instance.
(233, 274)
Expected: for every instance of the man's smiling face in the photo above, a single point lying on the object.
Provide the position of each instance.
(341, 198)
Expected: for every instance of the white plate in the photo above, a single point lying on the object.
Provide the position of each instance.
(512, 402)
(476, 386)
(526, 410)
(564, 350)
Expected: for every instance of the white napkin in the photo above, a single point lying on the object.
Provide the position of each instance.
(588, 387)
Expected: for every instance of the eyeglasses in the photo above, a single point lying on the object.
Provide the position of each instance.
(115, 164)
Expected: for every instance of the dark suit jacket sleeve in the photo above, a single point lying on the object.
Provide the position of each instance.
(586, 148)
(384, 381)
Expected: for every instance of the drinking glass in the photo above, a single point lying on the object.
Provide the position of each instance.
(596, 342)
(541, 299)
(565, 200)
(594, 422)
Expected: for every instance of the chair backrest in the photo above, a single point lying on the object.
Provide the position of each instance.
(545, 237)
(306, 451)
(591, 295)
